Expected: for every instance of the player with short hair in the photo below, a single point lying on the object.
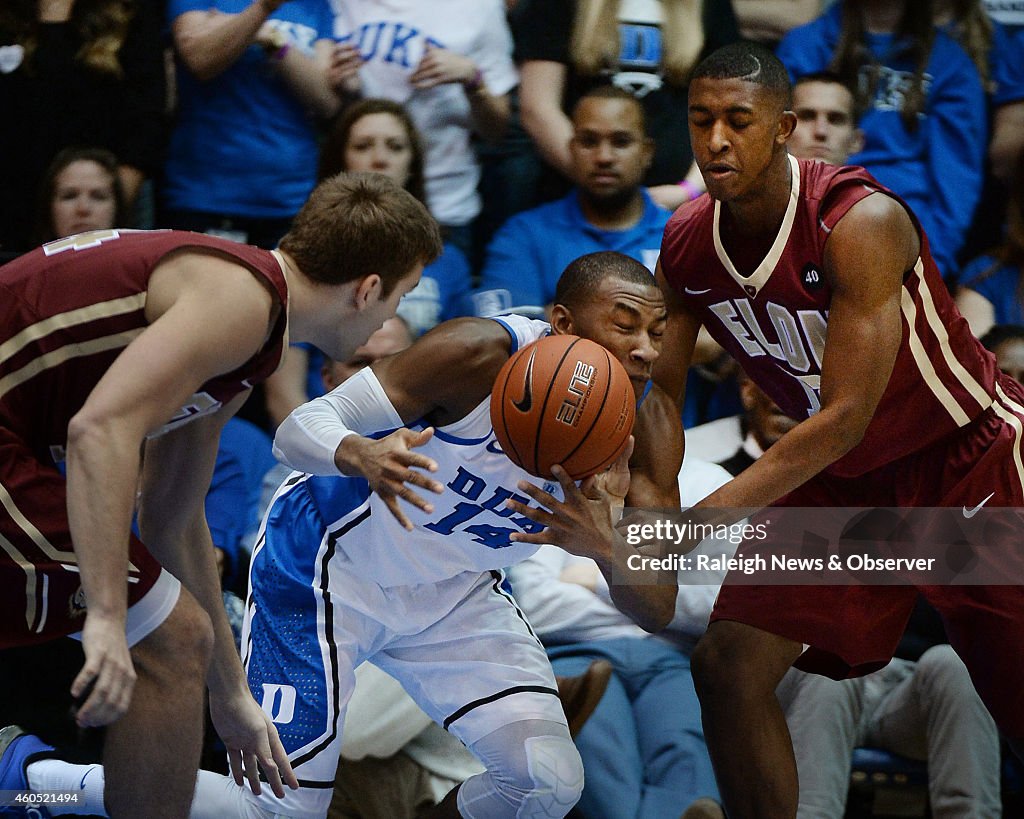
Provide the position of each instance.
(123, 354)
(358, 567)
(820, 283)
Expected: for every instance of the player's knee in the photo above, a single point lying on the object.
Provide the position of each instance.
(734, 660)
(182, 645)
(710, 665)
(546, 781)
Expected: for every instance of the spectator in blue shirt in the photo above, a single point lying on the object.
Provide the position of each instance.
(608, 209)
(253, 77)
(925, 107)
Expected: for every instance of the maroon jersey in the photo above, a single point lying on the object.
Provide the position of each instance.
(69, 308)
(774, 322)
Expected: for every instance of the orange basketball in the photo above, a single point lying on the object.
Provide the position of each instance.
(563, 400)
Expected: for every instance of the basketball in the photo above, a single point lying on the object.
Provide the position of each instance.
(563, 400)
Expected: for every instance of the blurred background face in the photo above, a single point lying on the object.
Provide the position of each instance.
(1010, 358)
(391, 338)
(825, 127)
(379, 143)
(609, 150)
(83, 199)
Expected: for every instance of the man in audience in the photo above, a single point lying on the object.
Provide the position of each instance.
(826, 115)
(609, 209)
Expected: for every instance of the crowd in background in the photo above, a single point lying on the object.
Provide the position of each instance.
(534, 130)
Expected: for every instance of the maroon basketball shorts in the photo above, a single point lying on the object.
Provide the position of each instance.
(853, 630)
(42, 592)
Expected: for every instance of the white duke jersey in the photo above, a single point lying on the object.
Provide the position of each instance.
(470, 526)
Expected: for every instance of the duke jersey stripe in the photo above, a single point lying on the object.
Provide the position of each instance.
(774, 322)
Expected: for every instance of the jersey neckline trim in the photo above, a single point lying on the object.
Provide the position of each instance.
(753, 283)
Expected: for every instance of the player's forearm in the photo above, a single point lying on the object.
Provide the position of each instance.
(102, 467)
(638, 587)
(650, 607)
(309, 439)
(188, 555)
(798, 456)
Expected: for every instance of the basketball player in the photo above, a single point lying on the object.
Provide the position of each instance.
(351, 568)
(821, 284)
(118, 344)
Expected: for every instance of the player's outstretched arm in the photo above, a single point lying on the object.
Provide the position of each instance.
(584, 524)
(436, 381)
(177, 470)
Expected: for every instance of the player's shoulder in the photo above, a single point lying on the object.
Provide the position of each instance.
(691, 214)
(468, 343)
(836, 191)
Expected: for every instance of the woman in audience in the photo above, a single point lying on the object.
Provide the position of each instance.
(378, 136)
(81, 191)
(76, 72)
(993, 284)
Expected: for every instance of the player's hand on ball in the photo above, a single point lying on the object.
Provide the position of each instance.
(252, 742)
(614, 481)
(391, 467)
(582, 524)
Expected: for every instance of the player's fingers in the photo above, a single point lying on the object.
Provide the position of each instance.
(281, 763)
(409, 496)
(271, 773)
(84, 679)
(423, 436)
(541, 538)
(538, 494)
(422, 481)
(590, 489)
(409, 458)
(235, 764)
(252, 773)
(98, 708)
(123, 698)
(567, 483)
(534, 513)
(622, 462)
(391, 502)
